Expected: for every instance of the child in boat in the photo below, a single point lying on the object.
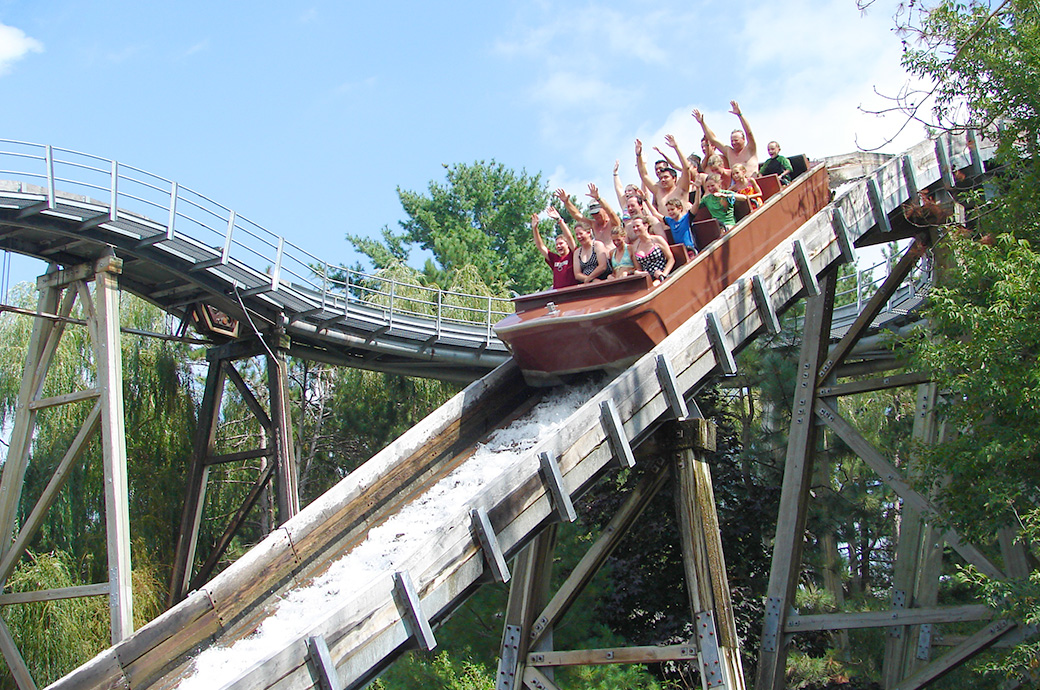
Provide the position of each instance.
(717, 164)
(679, 222)
(620, 256)
(746, 185)
(719, 203)
(776, 164)
(560, 260)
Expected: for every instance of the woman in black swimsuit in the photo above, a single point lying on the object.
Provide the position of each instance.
(590, 258)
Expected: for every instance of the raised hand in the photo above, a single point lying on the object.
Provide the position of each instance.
(639, 148)
(617, 164)
(593, 191)
(552, 213)
(698, 116)
(562, 195)
(534, 221)
(670, 140)
(734, 108)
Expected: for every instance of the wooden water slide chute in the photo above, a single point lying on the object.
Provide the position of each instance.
(401, 607)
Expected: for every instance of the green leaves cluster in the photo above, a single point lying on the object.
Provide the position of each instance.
(480, 217)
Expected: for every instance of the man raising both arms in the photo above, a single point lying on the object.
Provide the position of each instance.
(667, 186)
(603, 217)
(742, 148)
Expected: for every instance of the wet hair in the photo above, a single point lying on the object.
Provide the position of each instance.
(657, 163)
(694, 160)
(583, 223)
(739, 166)
(616, 231)
(667, 170)
(673, 202)
(715, 159)
(738, 131)
(713, 177)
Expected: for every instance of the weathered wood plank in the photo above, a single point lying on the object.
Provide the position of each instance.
(884, 619)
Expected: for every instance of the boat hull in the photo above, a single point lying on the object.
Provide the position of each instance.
(610, 324)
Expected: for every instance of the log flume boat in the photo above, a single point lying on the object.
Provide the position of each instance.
(611, 323)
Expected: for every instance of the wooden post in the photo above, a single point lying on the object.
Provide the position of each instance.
(108, 354)
(528, 595)
(288, 496)
(198, 474)
(910, 552)
(703, 561)
(794, 493)
(37, 360)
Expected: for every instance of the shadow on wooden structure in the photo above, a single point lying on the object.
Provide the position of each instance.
(915, 608)
(59, 291)
(528, 658)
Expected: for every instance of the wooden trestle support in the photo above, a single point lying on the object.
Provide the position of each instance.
(58, 293)
(527, 655)
(914, 598)
(276, 452)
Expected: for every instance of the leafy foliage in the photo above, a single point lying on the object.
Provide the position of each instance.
(479, 217)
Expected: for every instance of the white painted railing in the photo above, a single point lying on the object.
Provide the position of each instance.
(129, 191)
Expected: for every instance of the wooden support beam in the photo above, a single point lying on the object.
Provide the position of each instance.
(619, 444)
(915, 541)
(723, 352)
(801, 259)
(910, 177)
(892, 477)
(873, 307)
(528, 595)
(884, 619)
(488, 542)
(198, 474)
(236, 522)
(37, 360)
(96, 590)
(318, 650)
(670, 388)
(561, 498)
(617, 655)
(108, 355)
(535, 679)
(841, 233)
(764, 305)
(634, 505)
(410, 607)
(877, 205)
(15, 663)
(65, 399)
(978, 642)
(875, 384)
(247, 394)
(794, 493)
(50, 493)
(288, 486)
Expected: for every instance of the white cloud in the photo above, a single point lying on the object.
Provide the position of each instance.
(605, 74)
(14, 45)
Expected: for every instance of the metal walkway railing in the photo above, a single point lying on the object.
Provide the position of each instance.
(58, 203)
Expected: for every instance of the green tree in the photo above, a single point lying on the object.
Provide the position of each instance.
(984, 336)
(479, 216)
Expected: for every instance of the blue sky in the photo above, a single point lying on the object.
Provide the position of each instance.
(305, 117)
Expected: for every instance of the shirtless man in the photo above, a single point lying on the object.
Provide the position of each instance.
(667, 186)
(603, 217)
(742, 148)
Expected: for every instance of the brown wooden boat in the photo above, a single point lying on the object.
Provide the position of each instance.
(611, 323)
